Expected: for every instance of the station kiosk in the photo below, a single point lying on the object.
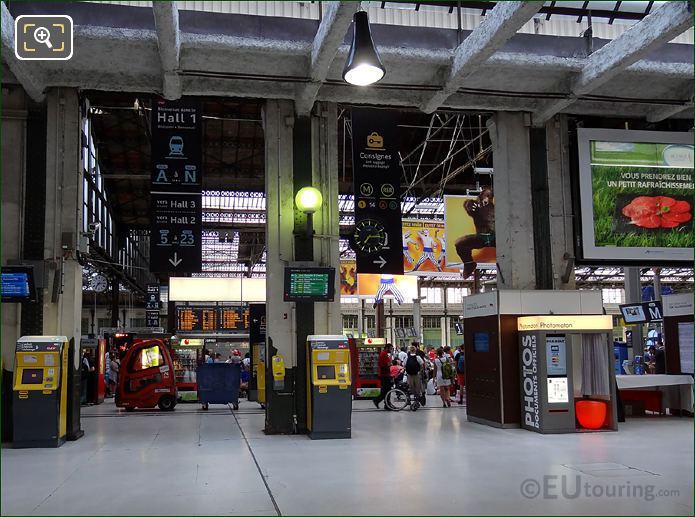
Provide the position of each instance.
(40, 391)
(491, 338)
(329, 404)
(567, 379)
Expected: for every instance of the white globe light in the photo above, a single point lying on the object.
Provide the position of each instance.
(363, 75)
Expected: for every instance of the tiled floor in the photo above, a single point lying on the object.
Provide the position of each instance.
(432, 462)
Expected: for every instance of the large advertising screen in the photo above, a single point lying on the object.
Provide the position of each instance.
(424, 249)
(636, 192)
(470, 231)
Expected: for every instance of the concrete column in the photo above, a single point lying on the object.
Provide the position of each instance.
(560, 203)
(360, 319)
(444, 322)
(278, 120)
(62, 308)
(14, 117)
(324, 157)
(513, 208)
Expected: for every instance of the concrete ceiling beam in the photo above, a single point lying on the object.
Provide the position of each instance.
(655, 30)
(336, 20)
(166, 21)
(496, 29)
(662, 113)
(30, 74)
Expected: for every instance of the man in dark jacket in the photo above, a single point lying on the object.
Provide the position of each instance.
(384, 366)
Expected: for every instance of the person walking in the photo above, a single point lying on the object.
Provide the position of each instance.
(414, 366)
(114, 367)
(402, 356)
(384, 367)
(84, 375)
(460, 359)
(444, 374)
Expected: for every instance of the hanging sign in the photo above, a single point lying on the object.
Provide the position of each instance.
(377, 175)
(176, 182)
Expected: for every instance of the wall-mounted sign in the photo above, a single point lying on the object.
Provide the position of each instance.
(530, 404)
(176, 181)
(377, 181)
(642, 312)
(570, 322)
(636, 190)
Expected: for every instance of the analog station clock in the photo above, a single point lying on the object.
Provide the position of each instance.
(100, 283)
(370, 236)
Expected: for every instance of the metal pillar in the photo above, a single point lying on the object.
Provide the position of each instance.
(633, 294)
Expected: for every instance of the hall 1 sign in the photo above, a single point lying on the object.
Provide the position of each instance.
(175, 187)
(152, 306)
(377, 177)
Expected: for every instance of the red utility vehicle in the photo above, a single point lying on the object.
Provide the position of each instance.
(146, 377)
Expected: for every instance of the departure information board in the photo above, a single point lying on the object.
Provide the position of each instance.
(196, 318)
(309, 284)
(233, 318)
(211, 319)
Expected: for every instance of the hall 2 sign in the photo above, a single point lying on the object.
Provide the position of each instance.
(530, 399)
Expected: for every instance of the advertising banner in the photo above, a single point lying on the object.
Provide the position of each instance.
(470, 231)
(377, 179)
(348, 278)
(424, 249)
(401, 288)
(636, 191)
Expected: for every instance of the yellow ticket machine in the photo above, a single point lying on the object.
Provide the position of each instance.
(329, 410)
(40, 391)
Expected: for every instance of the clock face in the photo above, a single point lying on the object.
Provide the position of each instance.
(370, 236)
(100, 284)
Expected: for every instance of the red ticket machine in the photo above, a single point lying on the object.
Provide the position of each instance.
(365, 360)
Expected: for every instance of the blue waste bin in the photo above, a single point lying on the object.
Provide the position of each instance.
(218, 383)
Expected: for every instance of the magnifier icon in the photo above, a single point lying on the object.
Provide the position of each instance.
(43, 36)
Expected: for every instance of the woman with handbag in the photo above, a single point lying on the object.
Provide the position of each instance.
(443, 370)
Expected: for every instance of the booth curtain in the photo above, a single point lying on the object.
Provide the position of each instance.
(595, 366)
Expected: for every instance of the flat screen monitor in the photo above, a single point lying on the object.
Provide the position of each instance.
(634, 313)
(309, 284)
(32, 376)
(481, 342)
(18, 284)
(459, 328)
(325, 372)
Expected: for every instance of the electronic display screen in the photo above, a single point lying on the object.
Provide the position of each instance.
(481, 342)
(459, 328)
(325, 372)
(32, 376)
(633, 313)
(18, 284)
(309, 284)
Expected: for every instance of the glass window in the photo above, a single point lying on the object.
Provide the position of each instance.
(432, 294)
(613, 295)
(147, 358)
(431, 322)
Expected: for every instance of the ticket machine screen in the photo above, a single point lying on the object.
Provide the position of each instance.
(32, 375)
(325, 372)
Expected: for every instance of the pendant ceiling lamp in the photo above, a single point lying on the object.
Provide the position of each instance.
(363, 65)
